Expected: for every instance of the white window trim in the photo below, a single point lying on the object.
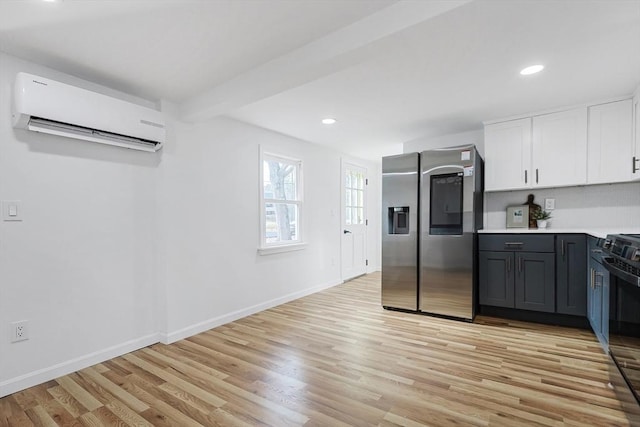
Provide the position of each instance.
(265, 248)
(278, 249)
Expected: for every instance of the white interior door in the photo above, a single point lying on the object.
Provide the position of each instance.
(354, 221)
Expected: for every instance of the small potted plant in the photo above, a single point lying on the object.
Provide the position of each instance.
(542, 217)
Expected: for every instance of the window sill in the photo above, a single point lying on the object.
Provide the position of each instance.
(280, 249)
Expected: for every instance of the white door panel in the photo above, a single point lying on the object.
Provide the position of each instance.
(354, 221)
(347, 252)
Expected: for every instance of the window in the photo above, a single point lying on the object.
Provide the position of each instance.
(281, 201)
(354, 197)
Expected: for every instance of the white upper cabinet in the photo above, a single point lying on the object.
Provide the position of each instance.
(559, 149)
(548, 150)
(597, 144)
(507, 155)
(611, 147)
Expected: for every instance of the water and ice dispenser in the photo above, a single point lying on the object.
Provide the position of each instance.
(399, 220)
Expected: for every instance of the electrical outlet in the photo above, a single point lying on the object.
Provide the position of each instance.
(11, 210)
(549, 204)
(19, 331)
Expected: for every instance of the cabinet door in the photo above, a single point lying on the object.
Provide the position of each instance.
(595, 299)
(507, 155)
(559, 149)
(596, 321)
(610, 142)
(571, 278)
(599, 306)
(590, 291)
(604, 280)
(535, 281)
(495, 282)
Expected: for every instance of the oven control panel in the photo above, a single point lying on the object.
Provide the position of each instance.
(632, 253)
(626, 248)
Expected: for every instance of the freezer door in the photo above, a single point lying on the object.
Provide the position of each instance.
(400, 181)
(448, 224)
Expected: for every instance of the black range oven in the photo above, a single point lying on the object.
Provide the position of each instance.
(622, 260)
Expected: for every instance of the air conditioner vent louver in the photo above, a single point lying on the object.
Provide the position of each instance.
(47, 106)
(38, 124)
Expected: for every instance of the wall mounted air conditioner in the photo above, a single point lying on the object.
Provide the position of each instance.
(44, 105)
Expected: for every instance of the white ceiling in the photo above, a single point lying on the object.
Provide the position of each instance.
(389, 71)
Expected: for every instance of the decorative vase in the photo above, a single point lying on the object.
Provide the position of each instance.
(542, 223)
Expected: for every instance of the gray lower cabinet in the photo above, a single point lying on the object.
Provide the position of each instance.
(535, 281)
(598, 294)
(497, 285)
(517, 271)
(541, 272)
(571, 274)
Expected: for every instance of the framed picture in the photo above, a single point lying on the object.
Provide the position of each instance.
(518, 216)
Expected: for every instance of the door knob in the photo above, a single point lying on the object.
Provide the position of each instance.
(346, 232)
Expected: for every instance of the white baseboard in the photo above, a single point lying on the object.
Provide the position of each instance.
(373, 269)
(171, 337)
(47, 374)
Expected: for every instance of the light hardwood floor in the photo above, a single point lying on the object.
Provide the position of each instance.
(336, 358)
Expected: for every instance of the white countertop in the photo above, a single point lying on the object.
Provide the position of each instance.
(595, 231)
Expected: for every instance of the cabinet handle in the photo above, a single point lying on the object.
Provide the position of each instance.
(596, 279)
(562, 248)
(508, 264)
(513, 243)
(634, 169)
(520, 264)
(525, 171)
(536, 175)
(591, 273)
(596, 251)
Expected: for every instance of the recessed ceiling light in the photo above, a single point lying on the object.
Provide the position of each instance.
(328, 121)
(532, 70)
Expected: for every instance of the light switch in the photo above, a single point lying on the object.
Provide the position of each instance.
(549, 204)
(12, 210)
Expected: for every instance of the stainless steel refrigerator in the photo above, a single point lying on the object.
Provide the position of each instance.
(431, 209)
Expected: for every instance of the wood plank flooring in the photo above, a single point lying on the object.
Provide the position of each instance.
(336, 358)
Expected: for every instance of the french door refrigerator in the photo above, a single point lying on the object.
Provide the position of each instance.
(432, 209)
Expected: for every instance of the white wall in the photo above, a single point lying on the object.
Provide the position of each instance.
(612, 206)
(119, 249)
(209, 207)
(475, 137)
(374, 206)
(81, 266)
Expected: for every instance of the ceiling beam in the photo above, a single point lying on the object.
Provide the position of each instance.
(312, 61)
